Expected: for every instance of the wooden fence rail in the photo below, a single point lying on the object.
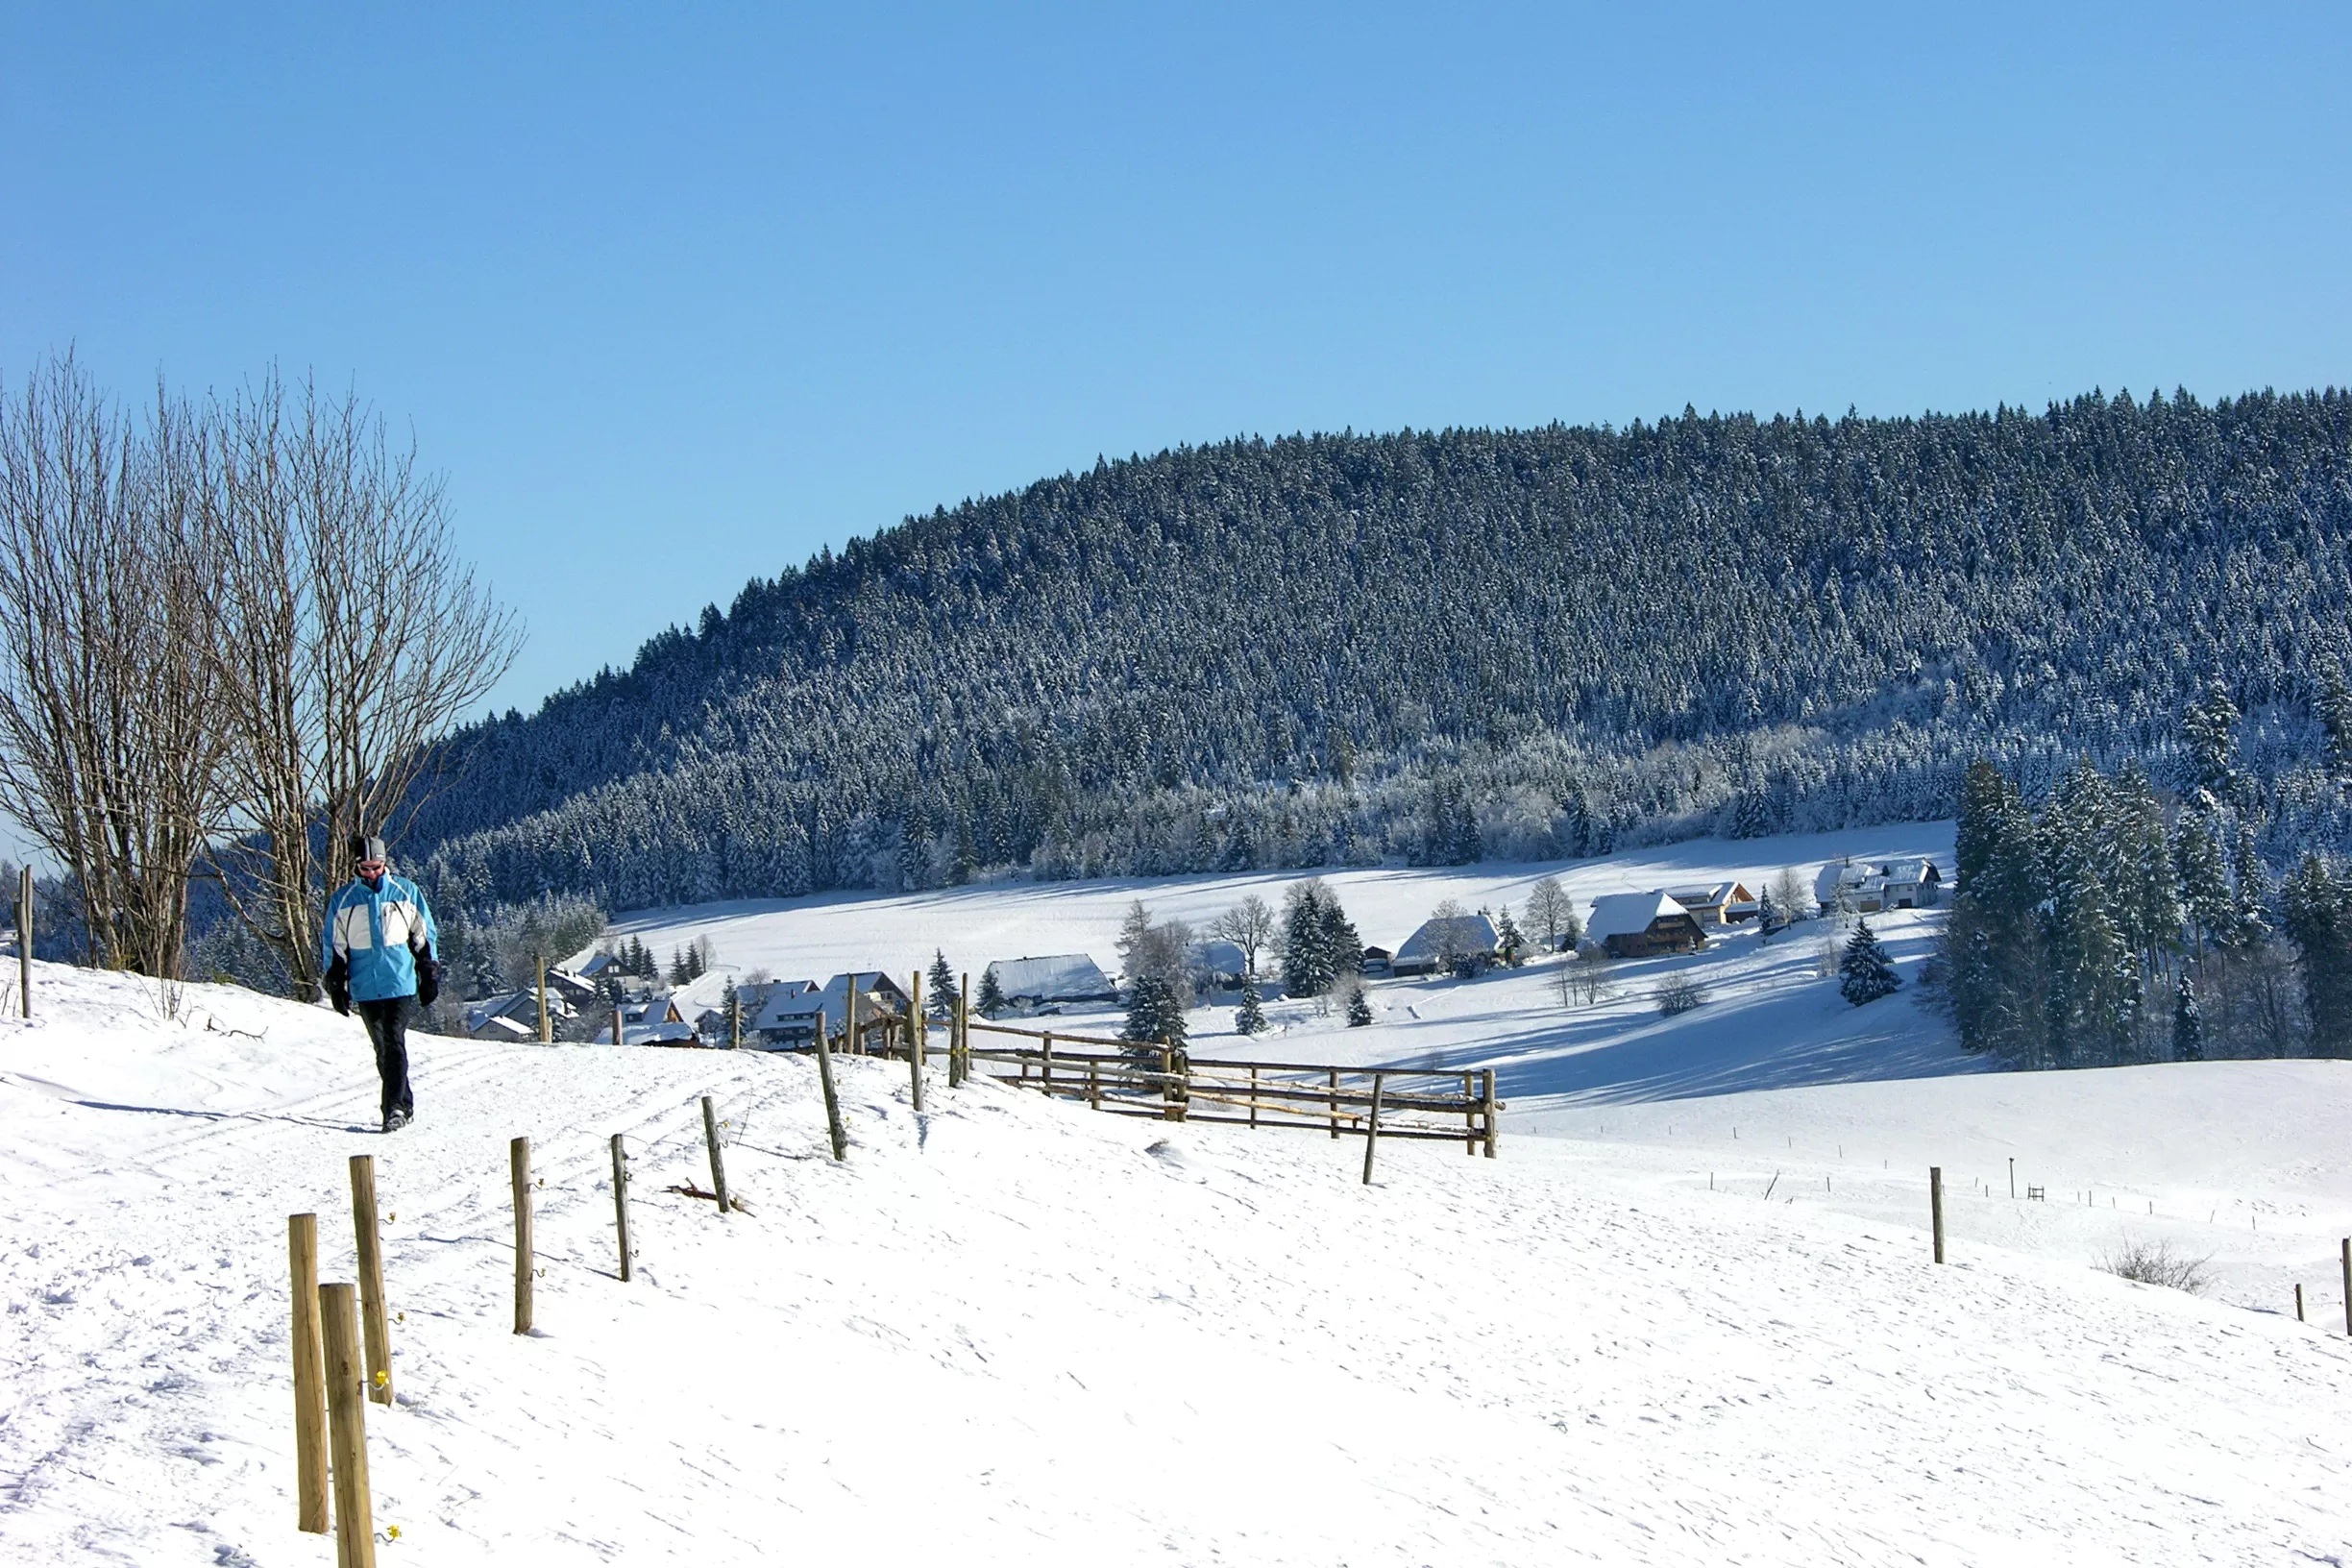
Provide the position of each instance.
(1168, 1084)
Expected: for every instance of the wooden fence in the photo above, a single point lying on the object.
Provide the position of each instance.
(1444, 1104)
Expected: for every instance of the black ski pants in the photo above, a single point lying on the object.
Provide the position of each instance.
(388, 1027)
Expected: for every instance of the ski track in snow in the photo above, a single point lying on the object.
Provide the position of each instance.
(1012, 1331)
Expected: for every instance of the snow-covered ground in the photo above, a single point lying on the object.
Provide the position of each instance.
(1010, 1330)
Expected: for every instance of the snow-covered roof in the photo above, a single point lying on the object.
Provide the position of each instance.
(1061, 977)
(503, 1028)
(876, 992)
(505, 1004)
(1215, 957)
(654, 1034)
(1836, 874)
(1711, 897)
(1913, 869)
(1629, 913)
(596, 965)
(1459, 934)
(764, 1003)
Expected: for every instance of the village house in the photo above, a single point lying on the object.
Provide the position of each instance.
(653, 1020)
(1642, 925)
(514, 1014)
(788, 1018)
(1458, 942)
(1218, 964)
(1716, 903)
(1860, 887)
(1039, 985)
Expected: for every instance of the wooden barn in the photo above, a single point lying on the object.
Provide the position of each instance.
(1642, 925)
(1718, 903)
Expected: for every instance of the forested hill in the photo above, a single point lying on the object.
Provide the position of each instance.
(1346, 647)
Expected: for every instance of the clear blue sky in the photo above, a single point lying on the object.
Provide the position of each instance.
(674, 296)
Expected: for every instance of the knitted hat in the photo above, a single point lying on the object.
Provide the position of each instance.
(364, 849)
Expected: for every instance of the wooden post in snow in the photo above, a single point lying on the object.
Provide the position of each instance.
(2347, 1280)
(849, 1030)
(2013, 1175)
(1372, 1129)
(1334, 1103)
(918, 1035)
(1935, 1205)
(355, 1522)
(2298, 1304)
(546, 1029)
(1045, 1070)
(310, 1379)
(735, 1023)
(370, 1238)
(615, 1023)
(518, 1157)
(824, 1076)
(1470, 1116)
(710, 1140)
(24, 939)
(959, 1064)
(1486, 1089)
(620, 1203)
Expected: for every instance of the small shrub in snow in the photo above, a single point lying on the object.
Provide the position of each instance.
(2155, 1263)
(1678, 994)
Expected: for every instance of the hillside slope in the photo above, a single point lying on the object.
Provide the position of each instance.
(1009, 1331)
(1436, 647)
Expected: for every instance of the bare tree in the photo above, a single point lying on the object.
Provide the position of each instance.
(1589, 978)
(1551, 911)
(352, 638)
(1248, 925)
(1790, 892)
(110, 749)
(1449, 931)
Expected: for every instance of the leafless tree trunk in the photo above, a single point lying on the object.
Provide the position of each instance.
(1248, 925)
(110, 752)
(353, 638)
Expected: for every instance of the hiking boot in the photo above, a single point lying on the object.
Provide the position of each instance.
(396, 1120)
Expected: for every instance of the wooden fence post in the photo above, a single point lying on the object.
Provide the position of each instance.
(1045, 1070)
(919, 1037)
(1184, 1084)
(2013, 1175)
(824, 1076)
(620, 1203)
(1470, 1116)
(355, 1522)
(710, 1139)
(1334, 1103)
(959, 1067)
(372, 1313)
(1372, 1129)
(2298, 1304)
(1935, 1205)
(1167, 1083)
(1253, 1095)
(309, 1379)
(849, 1029)
(616, 1026)
(2348, 1278)
(735, 1024)
(519, 1157)
(24, 939)
(547, 1030)
(1486, 1089)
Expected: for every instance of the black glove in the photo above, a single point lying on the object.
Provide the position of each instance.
(338, 984)
(429, 980)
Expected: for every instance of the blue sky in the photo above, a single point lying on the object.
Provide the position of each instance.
(673, 298)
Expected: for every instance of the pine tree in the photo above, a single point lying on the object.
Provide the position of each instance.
(1865, 973)
(2336, 718)
(992, 996)
(2188, 1023)
(1154, 1016)
(2209, 727)
(1507, 932)
(942, 983)
(1250, 1019)
(1341, 948)
(677, 966)
(2317, 906)
(2250, 900)
(1769, 920)
(2204, 878)
(1359, 1007)
(1306, 947)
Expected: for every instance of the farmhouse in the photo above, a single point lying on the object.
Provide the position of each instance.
(1451, 941)
(1641, 924)
(1718, 903)
(1864, 888)
(654, 1022)
(1033, 983)
(1217, 963)
(788, 1018)
(1912, 884)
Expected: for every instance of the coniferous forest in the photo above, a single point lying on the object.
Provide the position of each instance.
(1439, 648)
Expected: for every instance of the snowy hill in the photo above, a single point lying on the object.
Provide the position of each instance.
(1011, 1331)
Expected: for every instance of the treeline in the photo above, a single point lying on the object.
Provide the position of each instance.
(2117, 925)
(1446, 647)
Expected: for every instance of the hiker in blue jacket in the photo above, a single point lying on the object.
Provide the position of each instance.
(380, 950)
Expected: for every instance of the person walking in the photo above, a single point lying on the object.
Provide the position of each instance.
(380, 948)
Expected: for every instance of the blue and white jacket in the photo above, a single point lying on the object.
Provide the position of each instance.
(378, 932)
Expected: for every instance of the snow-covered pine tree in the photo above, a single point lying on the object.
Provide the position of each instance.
(1865, 973)
(2204, 878)
(1770, 921)
(2317, 909)
(1507, 930)
(2187, 1021)
(1154, 1016)
(1250, 1017)
(941, 980)
(992, 996)
(1359, 1004)
(2210, 728)
(1306, 952)
(2336, 719)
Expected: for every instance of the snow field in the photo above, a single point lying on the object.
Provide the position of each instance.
(1012, 1330)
